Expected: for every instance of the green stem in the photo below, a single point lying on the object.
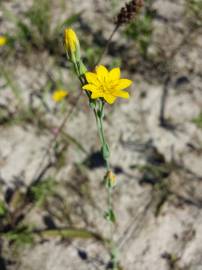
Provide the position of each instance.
(98, 109)
(113, 249)
(99, 113)
(99, 119)
(99, 127)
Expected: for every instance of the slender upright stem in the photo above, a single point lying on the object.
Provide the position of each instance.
(99, 113)
(99, 127)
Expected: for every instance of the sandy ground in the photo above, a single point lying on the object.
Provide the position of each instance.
(158, 217)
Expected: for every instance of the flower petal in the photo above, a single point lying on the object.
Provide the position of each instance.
(90, 87)
(91, 78)
(114, 74)
(122, 84)
(109, 98)
(122, 94)
(96, 95)
(102, 73)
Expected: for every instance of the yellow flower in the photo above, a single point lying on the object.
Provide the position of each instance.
(3, 40)
(72, 44)
(106, 84)
(59, 95)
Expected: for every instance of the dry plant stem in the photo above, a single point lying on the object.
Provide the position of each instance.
(107, 44)
(39, 173)
(36, 177)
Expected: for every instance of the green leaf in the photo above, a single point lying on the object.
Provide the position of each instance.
(42, 190)
(21, 236)
(110, 215)
(92, 104)
(101, 113)
(3, 209)
(82, 68)
(198, 120)
(70, 233)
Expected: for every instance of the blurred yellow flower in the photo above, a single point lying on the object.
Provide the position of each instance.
(59, 95)
(72, 44)
(106, 84)
(3, 40)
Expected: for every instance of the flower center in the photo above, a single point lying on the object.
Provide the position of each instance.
(104, 89)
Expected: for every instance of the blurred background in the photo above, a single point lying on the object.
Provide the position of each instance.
(51, 192)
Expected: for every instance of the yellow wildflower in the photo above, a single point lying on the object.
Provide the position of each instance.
(3, 40)
(59, 95)
(106, 84)
(72, 44)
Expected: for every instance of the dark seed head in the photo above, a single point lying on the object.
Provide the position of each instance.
(129, 12)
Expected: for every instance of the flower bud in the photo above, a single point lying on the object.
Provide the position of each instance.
(110, 179)
(72, 45)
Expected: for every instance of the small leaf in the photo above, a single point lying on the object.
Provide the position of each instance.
(20, 236)
(3, 209)
(82, 68)
(101, 114)
(92, 104)
(110, 215)
(42, 190)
